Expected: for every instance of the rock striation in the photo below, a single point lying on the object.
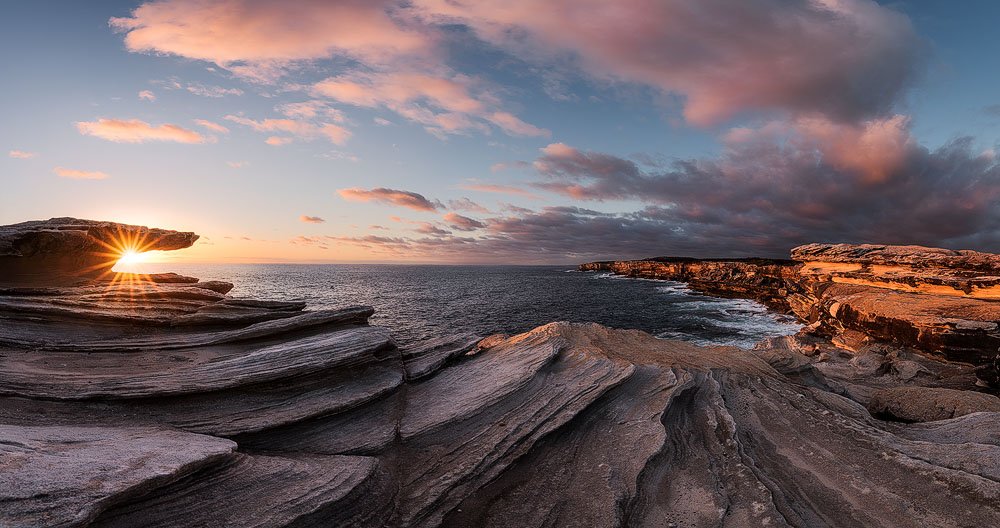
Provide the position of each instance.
(176, 407)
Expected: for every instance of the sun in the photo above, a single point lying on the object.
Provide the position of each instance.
(131, 257)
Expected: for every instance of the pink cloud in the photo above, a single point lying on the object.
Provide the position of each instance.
(21, 154)
(297, 127)
(136, 131)
(311, 219)
(443, 105)
(259, 39)
(211, 125)
(463, 223)
(79, 174)
(277, 141)
(407, 199)
(147, 95)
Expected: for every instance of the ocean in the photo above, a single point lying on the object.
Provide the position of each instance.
(419, 302)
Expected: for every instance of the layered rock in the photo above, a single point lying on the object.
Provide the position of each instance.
(62, 251)
(175, 409)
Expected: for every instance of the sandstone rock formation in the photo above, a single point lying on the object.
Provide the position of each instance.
(938, 301)
(63, 251)
(181, 406)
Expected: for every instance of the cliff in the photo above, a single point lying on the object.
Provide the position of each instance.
(766, 280)
(163, 401)
(940, 302)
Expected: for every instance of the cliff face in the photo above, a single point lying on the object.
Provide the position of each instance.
(936, 300)
(768, 281)
(162, 400)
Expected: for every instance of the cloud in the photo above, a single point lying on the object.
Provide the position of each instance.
(505, 165)
(427, 228)
(465, 204)
(211, 125)
(136, 131)
(276, 141)
(805, 182)
(444, 105)
(463, 223)
(311, 219)
(395, 60)
(212, 91)
(260, 39)
(500, 189)
(21, 154)
(993, 110)
(843, 59)
(297, 127)
(79, 174)
(147, 95)
(238, 164)
(407, 199)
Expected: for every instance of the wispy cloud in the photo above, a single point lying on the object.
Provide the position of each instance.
(407, 199)
(75, 174)
(444, 105)
(496, 188)
(238, 164)
(296, 127)
(277, 141)
(136, 131)
(211, 125)
(147, 95)
(311, 219)
(21, 154)
(212, 91)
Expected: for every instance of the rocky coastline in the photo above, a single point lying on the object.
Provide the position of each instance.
(938, 302)
(161, 400)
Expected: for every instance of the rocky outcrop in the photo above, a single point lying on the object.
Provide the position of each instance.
(62, 251)
(178, 408)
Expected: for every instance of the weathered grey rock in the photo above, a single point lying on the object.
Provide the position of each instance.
(65, 476)
(257, 491)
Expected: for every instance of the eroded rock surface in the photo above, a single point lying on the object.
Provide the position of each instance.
(171, 406)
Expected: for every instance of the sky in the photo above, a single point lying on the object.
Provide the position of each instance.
(521, 131)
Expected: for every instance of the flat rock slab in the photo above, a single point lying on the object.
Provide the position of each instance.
(75, 376)
(65, 476)
(926, 404)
